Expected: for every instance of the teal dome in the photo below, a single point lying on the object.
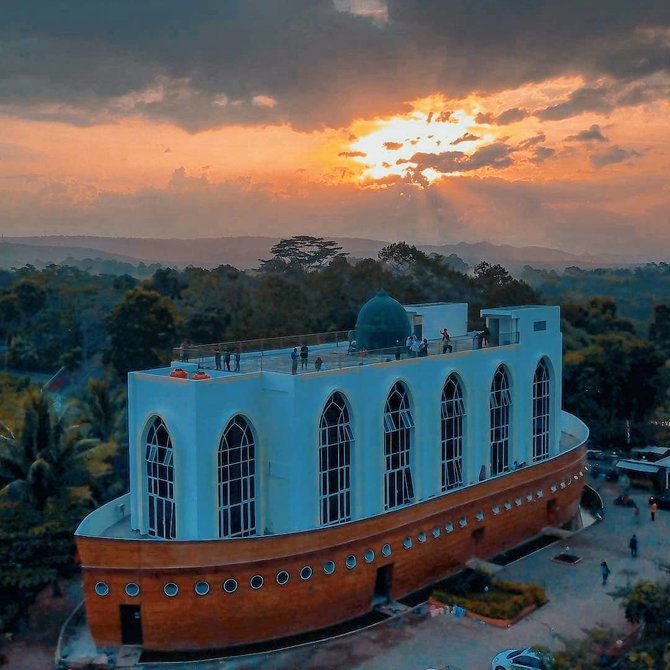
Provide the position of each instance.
(382, 322)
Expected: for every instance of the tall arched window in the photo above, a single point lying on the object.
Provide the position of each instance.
(335, 441)
(541, 412)
(159, 459)
(398, 426)
(452, 412)
(500, 408)
(237, 480)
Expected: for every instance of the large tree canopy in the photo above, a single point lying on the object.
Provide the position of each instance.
(142, 330)
(302, 253)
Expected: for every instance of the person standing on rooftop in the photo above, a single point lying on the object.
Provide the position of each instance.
(446, 344)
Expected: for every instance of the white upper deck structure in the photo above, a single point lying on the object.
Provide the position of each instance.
(264, 451)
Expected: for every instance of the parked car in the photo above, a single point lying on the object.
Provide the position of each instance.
(521, 659)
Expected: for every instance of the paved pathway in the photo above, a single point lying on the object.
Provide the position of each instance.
(577, 601)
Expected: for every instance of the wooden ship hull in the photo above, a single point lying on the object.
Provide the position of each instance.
(349, 570)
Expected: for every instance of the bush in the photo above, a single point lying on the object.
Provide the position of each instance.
(489, 597)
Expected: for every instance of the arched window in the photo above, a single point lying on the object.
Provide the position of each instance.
(500, 407)
(541, 412)
(236, 480)
(159, 459)
(335, 441)
(452, 412)
(398, 426)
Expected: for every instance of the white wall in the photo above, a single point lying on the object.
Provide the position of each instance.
(284, 411)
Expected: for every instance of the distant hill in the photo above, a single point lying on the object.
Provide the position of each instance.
(245, 252)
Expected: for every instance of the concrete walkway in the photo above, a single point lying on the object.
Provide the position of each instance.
(577, 601)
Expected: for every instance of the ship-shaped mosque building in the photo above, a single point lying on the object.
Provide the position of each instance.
(300, 491)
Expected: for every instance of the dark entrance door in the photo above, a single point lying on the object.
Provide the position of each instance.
(383, 583)
(131, 624)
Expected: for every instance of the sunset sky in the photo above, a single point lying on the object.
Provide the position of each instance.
(521, 122)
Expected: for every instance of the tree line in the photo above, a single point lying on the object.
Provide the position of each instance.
(59, 460)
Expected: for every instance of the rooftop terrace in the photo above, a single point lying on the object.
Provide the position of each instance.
(326, 351)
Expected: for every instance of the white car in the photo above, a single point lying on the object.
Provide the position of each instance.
(518, 659)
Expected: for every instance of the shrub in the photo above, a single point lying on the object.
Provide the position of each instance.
(497, 599)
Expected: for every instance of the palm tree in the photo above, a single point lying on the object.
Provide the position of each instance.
(45, 459)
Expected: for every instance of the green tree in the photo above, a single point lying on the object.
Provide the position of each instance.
(659, 330)
(400, 256)
(101, 409)
(45, 458)
(142, 330)
(302, 253)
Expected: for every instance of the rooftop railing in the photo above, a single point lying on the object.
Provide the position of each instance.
(326, 351)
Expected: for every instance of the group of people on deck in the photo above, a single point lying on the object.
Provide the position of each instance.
(226, 359)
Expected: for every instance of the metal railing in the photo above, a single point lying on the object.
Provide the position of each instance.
(326, 351)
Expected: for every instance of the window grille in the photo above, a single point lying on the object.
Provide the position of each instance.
(453, 411)
(160, 481)
(541, 411)
(398, 427)
(500, 412)
(237, 480)
(335, 442)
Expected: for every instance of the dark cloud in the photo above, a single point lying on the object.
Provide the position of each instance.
(259, 61)
(511, 116)
(612, 155)
(394, 146)
(485, 118)
(593, 134)
(541, 154)
(508, 116)
(468, 137)
(586, 99)
(532, 141)
(493, 156)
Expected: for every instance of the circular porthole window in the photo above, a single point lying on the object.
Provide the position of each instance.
(529, 497)
(386, 550)
(350, 562)
(102, 588)
(407, 543)
(462, 522)
(495, 509)
(132, 589)
(329, 567)
(230, 585)
(256, 582)
(306, 573)
(449, 527)
(422, 537)
(171, 589)
(369, 555)
(479, 516)
(508, 504)
(539, 493)
(554, 488)
(282, 577)
(201, 588)
(436, 532)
